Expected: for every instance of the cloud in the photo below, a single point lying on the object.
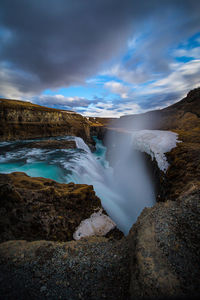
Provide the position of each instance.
(12, 81)
(59, 43)
(153, 46)
(96, 107)
(112, 109)
(54, 44)
(182, 78)
(134, 76)
(194, 52)
(170, 88)
(117, 88)
(62, 102)
(156, 95)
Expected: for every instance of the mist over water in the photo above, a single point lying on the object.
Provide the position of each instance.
(124, 188)
(132, 183)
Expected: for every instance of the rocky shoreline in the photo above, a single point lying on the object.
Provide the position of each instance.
(160, 258)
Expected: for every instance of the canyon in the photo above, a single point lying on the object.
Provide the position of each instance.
(160, 255)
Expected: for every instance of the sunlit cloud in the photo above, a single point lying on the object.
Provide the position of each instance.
(117, 88)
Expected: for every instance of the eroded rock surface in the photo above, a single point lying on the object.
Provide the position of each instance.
(94, 268)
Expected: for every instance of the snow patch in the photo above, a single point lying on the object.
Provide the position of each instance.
(98, 224)
(156, 143)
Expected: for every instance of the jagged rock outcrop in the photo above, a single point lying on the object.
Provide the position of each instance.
(165, 245)
(24, 120)
(37, 208)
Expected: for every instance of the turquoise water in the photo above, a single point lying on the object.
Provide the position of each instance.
(37, 169)
(56, 164)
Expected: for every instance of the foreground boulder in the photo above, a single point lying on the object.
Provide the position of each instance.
(38, 208)
(165, 249)
(94, 268)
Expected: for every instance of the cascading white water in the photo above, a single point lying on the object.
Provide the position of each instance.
(81, 144)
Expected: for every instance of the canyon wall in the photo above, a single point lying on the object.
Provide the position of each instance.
(24, 120)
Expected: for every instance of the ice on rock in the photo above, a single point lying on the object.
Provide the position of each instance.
(98, 224)
(156, 143)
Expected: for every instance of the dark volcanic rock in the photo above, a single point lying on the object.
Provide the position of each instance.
(94, 268)
(38, 208)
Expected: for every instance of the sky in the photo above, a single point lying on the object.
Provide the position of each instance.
(102, 58)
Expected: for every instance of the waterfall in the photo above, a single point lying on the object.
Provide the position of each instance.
(124, 190)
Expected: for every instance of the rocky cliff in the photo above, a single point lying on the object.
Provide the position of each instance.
(24, 120)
